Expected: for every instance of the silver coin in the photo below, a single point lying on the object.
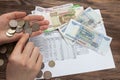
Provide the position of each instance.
(40, 74)
(27, 25)
(11, 31)
(18, 30)
(28, 30)
(3, 50)
(51, 63)
(35, 27)
(9, 35)
(1, 62)
(20, 23)
(42, 66)
(13, 23)
(47, 75)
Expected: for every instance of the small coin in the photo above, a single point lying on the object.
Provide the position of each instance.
(3, 50)
(51, 63)
(47, 75)
(27, 25)
(20, 23)
(40, 74)
(18, 30)
(35, 27)
(9, 35)
(28, 30)
(13, 23)
(1, 62)
(11, 31)
(43, 65)
(57, 79)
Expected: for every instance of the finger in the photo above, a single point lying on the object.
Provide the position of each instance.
(15, 15)
(36, 33)
(28, 50)
(21, 43)
(15, 37)
(39, 63)
(34, 17)
(34, 55)
(44, 22)
(43, 27)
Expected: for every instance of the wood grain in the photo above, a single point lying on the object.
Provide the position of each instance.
(110, 10)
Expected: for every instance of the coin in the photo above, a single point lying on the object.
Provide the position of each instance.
(18, 30)
(1, 62)
(43, 65)
(20, 23)
(3, 50)
(9, 35)
(35, 27)
(13, 23)
(51, 63)
(27, 25)
(57, 79)
(47, 75)
(40, 74)
(28, 30)
(11, 31)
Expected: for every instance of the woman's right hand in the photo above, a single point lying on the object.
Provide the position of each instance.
(25, 61)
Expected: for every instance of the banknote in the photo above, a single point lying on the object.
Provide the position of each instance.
(78, 10)
(54, 9)
(87, 37)
(89, 18)
(62, 8)
(58, 15)
(61, 31)
(40, 9)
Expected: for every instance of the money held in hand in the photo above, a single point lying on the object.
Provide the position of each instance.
(17, 26)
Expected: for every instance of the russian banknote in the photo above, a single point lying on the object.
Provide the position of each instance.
(58, 15)
(89, 18)
(87, 37)
(62, 30)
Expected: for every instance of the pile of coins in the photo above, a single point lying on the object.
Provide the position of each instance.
(46, 74)
(3, 50)
(17, 26)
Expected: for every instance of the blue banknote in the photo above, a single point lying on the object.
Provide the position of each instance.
(87, 37)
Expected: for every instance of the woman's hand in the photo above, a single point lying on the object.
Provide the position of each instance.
(4, 26)
(24, 62)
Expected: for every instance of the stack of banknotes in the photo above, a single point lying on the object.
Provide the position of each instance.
(72, 31)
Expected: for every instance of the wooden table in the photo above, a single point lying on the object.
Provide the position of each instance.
(110, 10)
